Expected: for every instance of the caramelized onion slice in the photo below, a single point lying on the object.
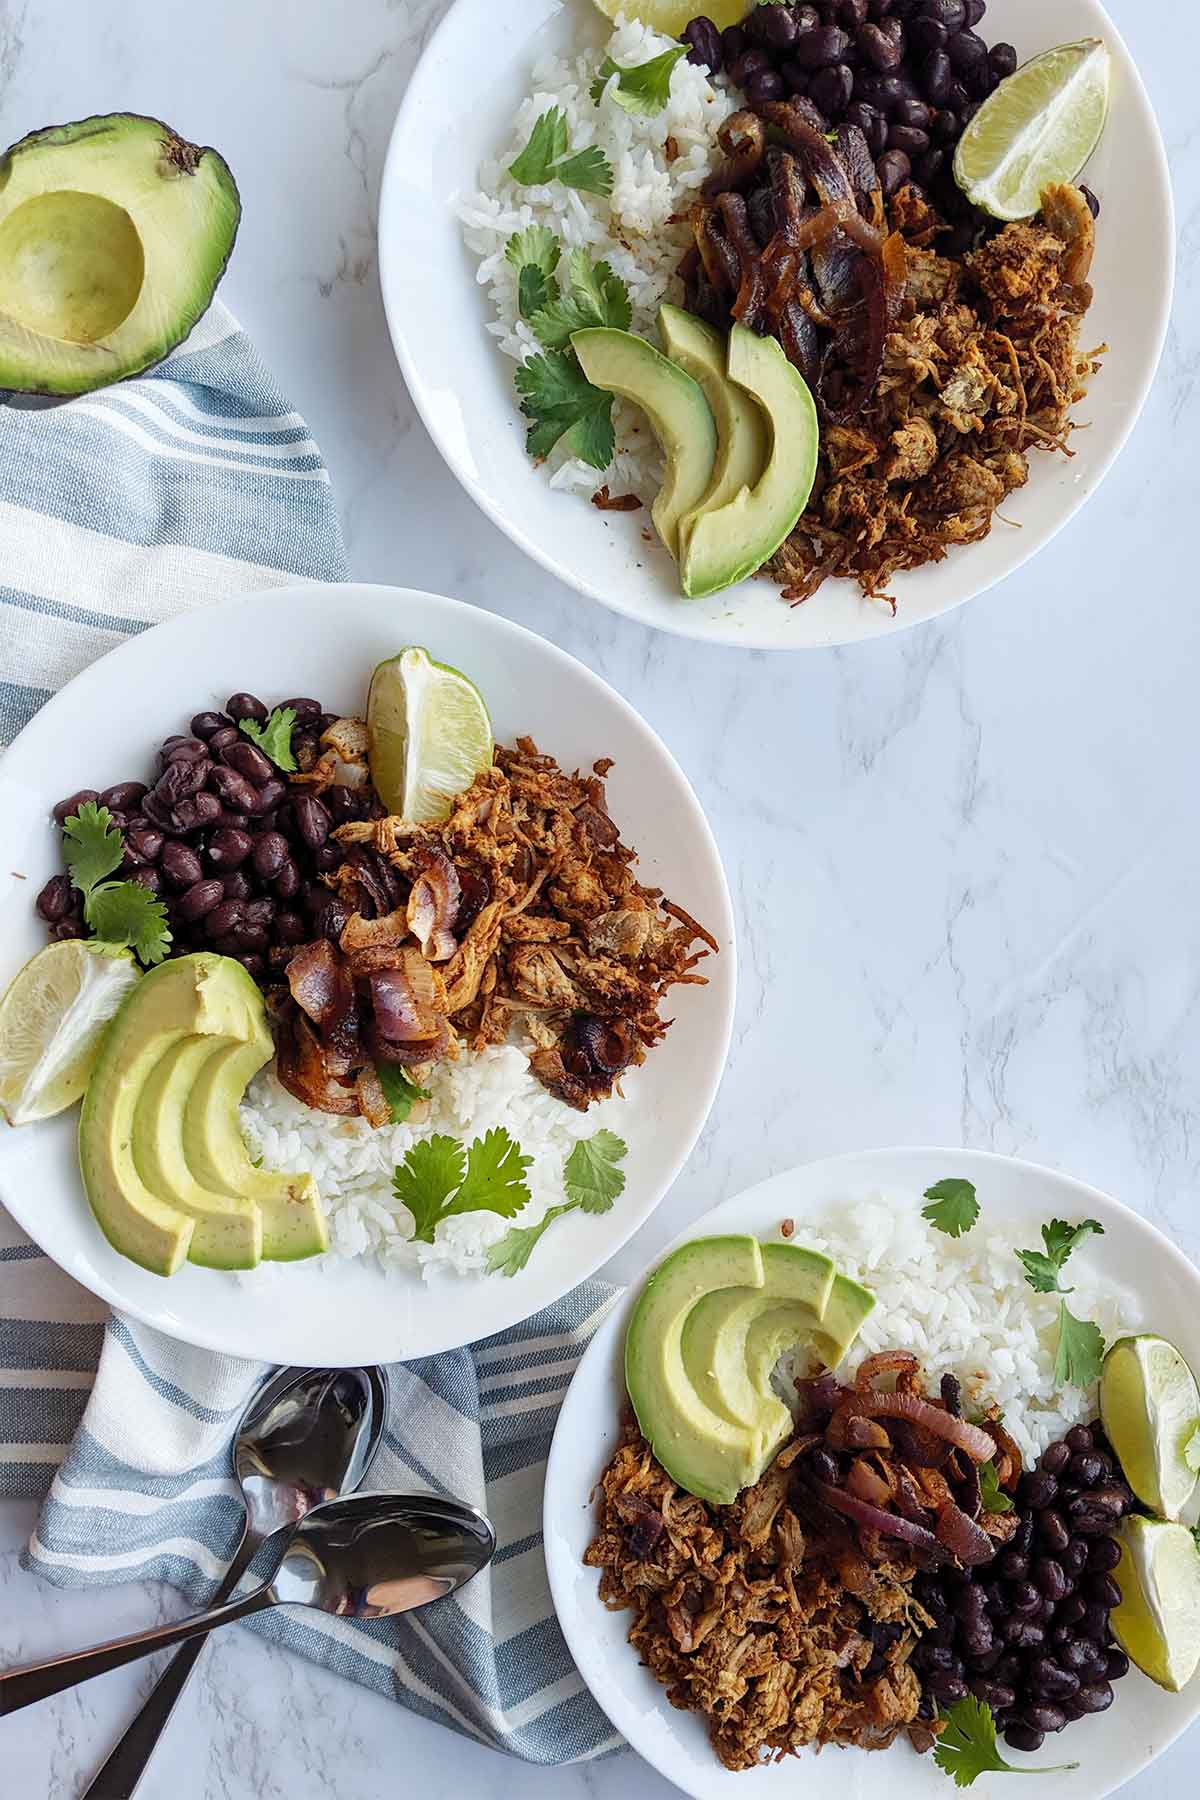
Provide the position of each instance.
(888, 1524)
(962, 1536)
(911, 1407)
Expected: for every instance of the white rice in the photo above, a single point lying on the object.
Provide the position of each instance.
(963, 1305)
(631, 229)
(353, 1163)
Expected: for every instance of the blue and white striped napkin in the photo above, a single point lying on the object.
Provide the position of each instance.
(129, 506)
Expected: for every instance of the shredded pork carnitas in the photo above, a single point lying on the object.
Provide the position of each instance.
(521, 909)
(788, 1619)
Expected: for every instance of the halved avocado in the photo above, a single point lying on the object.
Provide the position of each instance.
(846, 1312)
(676, 408)
(114, 232)
(726, 543)
(742, 437)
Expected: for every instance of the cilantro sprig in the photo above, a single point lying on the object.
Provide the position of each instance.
(954, 1208)
(121, 913)
(645, 88)
(555, 394)
(439, 1180)
(560, 402)
(1080, 1348)
(544, 159)
(534, 254)
(595, 295)
(400, 1093)
(994, 1499)
(592, 1181)
(274, 738)
(966, 1749)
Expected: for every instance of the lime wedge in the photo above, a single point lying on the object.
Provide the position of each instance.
(51, 1021)
(1039, 126)
(1151, 1407)
(670, 16)
(1158, 1620)
(428, 735)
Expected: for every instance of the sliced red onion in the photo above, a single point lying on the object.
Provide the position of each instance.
(888, 1524)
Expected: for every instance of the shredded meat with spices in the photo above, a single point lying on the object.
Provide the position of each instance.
(981, 367)
(780, 1637)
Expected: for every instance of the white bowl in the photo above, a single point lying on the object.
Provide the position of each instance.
(459, 108)
(1110, 1749)
(105, 727)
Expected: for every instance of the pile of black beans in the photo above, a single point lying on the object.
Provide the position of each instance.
(909, 73)
(233, 849)
(1028, 1632)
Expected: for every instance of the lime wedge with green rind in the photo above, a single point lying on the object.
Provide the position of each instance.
(671, 16)
(52, 1019)
(1038, 126)
(1150, 1406)
(428, 734)
(1158, 1621)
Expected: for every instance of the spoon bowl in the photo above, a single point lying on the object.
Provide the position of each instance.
(308, 1436)
(375, 1555)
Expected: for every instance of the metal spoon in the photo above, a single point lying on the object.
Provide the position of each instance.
(368, 1557)
(307, 1436)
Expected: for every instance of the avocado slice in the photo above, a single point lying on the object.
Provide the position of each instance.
(743, 442)
(846, 1312)
(293, 1222)
(715, 1337)
(699, 1449)
(114, 233)
(676, 408)
(726, 543)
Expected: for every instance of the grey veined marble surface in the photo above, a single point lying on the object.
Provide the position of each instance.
(965, 860)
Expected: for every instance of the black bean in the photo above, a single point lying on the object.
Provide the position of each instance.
(927, 168)
(975, 12)
(1022, 1537)
(198, 812)
(269, 853)
(1114, 1495)
(830, 89)
(327, 857)
(254, 964)
(893, 169)
(817, 48)
(968, 54)
(1096, 1697)
(925, 35)
(977, 1637)
(1088, 1519)
(330, 921)
(1054, 1458)
(224, 918)
(290, 928)
(56, 899)
(249, 761)
(1094, 1623)
(205, 723)
(236, 885)
(882, 91)
(125, 796)
(772, 25)
(1071, 1610)
(1023, 1737)
(850, 14)
(288, 882)
(824, 1466)
(1103, 1589)
(797, 79)
(1050, 1678)
(1103, 1554)
(750, 62)
(1013, 1565)
(1074, 1557)
(251, 937)
(1050, 1579)
(1052, 1531)
(998, 1695)
(936, 78)
(915, 113)
(951, 14)
(1037, 1489)
(268, 798)
(764, 87)
(1023, 1634)
(161, 815)
(67, 928)
(880, 48)
(149, 877)
(228, 849)
(1024, 1597)
(340, 803)
(180, 865)
(180, 780)
(199, 900)
(1002, 60)
(235, 791)
(246, 706)
(946, 1689)
(66, 809)
(1085, 1468)
(1043, 1715)
(1078, 1438)
(909, 139)
(221, 740)
(260, 911)
(1117, 1666)
(733, 42)
(183, 749)
(704, 49)
(989, 1660)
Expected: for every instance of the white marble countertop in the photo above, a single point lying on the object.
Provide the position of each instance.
(965, 860)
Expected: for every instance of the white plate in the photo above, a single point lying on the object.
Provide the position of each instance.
(105, 727)
(1111, 1749)
(462, 384)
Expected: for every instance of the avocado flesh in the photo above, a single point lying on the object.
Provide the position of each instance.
(114, 233)
(846, 1312)
(228, 1228)
(703, 1452)
(796, 1284)
(679, 414)
(743, 442)
(293, 1223)
(727, 543)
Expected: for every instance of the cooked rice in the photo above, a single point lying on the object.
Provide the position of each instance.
(658, 161)
(963, 1305)
(353, 1163)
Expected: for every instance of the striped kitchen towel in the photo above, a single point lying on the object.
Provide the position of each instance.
(117, 510)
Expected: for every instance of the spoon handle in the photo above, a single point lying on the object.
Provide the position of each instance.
(127, 1762)
(22, 1687)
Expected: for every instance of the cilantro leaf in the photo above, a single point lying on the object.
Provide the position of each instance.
(438, 1180)
(1191, 1450)
(534, 254)
(954, 1207)
(1042, 1269)
(399, 1092)
(967, 1749)
(509, 1254)
(590, 1174)
(1080, 1349)
(92, 846)
(124, 912)
(597, 296)
(274, 738)
(561, 402)
(645, 88)
(995, 1500)
(430, 1173)
(544, 158)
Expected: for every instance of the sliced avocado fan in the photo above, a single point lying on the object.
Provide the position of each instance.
(114, 233)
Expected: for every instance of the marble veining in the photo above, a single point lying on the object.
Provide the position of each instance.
(964, 859)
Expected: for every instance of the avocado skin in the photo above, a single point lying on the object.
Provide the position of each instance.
(188, 156)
